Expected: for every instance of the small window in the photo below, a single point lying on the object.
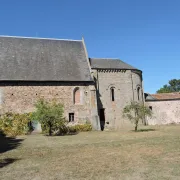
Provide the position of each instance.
(150, 107)
(112, 94)
(138, 93)
(71, 117)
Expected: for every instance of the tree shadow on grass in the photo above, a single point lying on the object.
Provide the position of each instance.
(7, 161)
(63, 134)
(71, 134)
(8, 143)
(144, 130)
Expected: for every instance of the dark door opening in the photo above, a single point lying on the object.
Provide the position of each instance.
(102, 119)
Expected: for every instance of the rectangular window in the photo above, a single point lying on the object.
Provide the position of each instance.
(150, 107)
(71, 117)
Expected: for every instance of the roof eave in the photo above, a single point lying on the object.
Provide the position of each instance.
(4, 80)
(156, 100)
(116, 69)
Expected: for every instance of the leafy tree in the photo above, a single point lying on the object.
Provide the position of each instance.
(135, 112)
(173, 86)
(50, 116)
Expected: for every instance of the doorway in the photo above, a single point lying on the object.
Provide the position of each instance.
(36, 126)
(102, 118)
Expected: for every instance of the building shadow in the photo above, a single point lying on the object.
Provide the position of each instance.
(7, 161)
(102, 125)
(8, 143)
(101, 109)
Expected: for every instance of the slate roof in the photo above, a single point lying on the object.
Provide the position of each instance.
(37, 59)
(148, 97)
(108, 63)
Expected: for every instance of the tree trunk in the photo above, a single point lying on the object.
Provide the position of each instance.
(50, 129)
(136, 126)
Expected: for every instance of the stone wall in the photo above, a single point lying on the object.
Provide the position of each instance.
(21, 97)
(164, 112)
(125, 85)
(137, 83)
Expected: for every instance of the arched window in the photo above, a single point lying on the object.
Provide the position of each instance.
(77, 96)
(112, 94)
(138, 93)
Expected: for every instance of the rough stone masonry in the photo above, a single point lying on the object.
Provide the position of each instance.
(93, 89)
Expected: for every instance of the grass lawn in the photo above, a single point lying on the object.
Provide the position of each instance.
(122, 155)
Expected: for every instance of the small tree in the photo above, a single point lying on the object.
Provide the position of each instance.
(136, 112)
(50, 115)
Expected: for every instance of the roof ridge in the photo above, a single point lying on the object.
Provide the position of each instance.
(24, 37)
(166, 93)
(104, 58)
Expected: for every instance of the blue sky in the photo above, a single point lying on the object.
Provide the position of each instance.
(143, 33)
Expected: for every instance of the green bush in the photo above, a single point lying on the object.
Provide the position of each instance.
(50, 116)
(13, 124)
(80, 128)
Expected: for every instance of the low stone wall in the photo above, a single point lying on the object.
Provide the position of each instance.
(164, 112)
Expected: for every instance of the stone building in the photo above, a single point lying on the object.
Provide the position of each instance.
(165, 108)
(117, 84)
(90, 89)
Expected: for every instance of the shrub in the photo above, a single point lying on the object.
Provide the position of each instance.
(13, 124)
(80, 128)
(50, 116)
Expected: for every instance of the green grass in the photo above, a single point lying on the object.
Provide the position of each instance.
(150, 154)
